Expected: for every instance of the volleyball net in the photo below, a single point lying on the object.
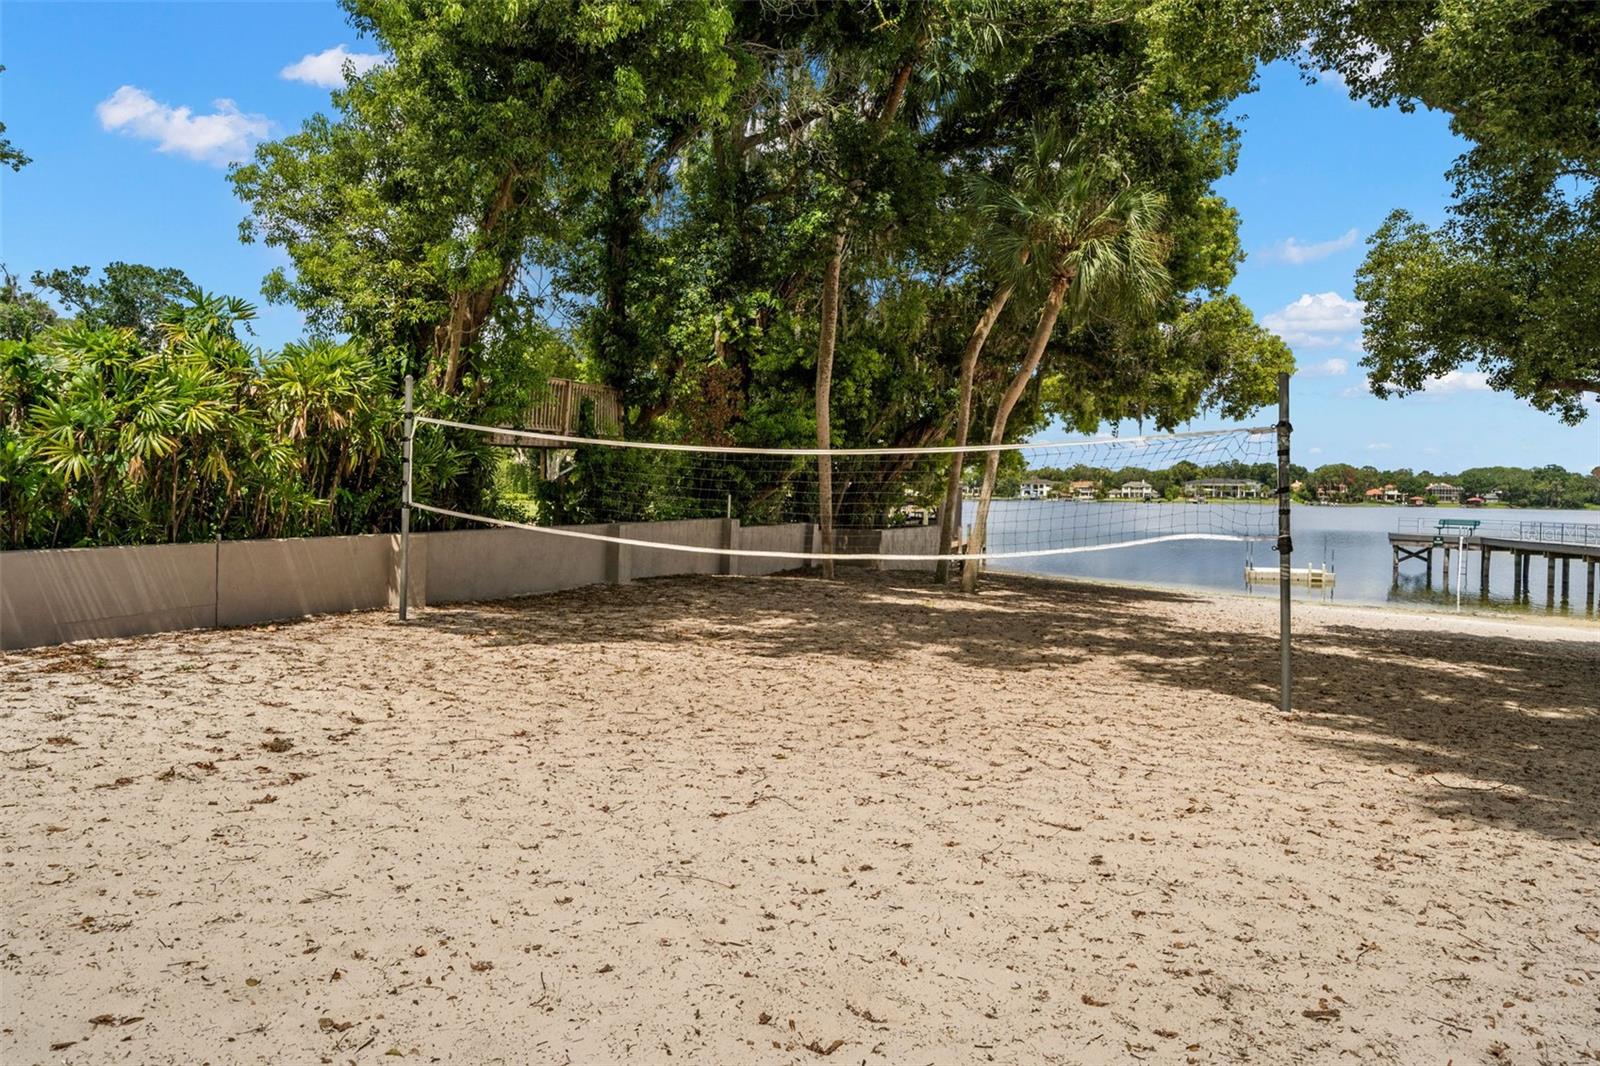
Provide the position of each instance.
(886, 504)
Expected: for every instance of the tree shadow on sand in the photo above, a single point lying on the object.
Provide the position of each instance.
(1497, 729)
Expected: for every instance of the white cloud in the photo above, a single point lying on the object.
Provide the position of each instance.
(327, 68)
(1375, 64)
(223, 136)
(1378, 446)
(1292, 251)
(1457, 381)
(1324, 320)
(1328, 368)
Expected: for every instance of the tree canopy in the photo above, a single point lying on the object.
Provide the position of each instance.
(127, 296)
(670, 183)
(10, 155)
(770, 224)
(1510, 282)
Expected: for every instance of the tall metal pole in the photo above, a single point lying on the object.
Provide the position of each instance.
(408, 427)
(1285, 545)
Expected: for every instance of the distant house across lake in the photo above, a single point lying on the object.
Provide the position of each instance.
(1387, 494)
(1134, 490)
(1444, 492)
(1036, 490)
(1082, 490)
(1223, 488)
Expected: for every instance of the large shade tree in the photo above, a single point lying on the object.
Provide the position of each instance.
(753, 220)
(413, 215)
(1510, 281)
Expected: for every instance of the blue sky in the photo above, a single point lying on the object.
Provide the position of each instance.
(132, 111)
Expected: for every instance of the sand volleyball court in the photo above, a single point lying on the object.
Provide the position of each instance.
(784, 820)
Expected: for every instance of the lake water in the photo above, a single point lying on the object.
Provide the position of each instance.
(1353, 540)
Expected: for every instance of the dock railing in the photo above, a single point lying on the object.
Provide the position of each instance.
(1576, 534)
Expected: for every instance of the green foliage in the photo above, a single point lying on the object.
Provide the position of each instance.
(10, 155)
(105, 440)
(1523, 303)
(653, 195)
(128, 296)
(410, 216)
(116, 428)
(22, 312)
(1511, 281)
(1212, 356)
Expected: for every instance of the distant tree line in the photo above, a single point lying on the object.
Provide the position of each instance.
(1167, 482)
(1544, 486)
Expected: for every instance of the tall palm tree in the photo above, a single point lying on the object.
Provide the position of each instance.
(1011, 256)
(1098, 239)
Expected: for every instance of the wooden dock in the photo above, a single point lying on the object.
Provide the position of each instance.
(1559, 543)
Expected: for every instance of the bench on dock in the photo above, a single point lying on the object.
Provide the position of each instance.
(1461, 527)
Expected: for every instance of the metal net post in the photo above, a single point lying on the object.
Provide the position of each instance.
(1285, 545)
(408, 428)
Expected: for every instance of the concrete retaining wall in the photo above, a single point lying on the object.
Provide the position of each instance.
(495, 564)
(907, 540)
(265, 580)
(51, 597)
(791, 537)
(663, 562)
(910, 540)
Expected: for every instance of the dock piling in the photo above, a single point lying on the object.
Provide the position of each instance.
(1453, 539)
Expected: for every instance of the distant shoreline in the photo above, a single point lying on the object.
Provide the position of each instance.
(1443, 620)
(1587, 508)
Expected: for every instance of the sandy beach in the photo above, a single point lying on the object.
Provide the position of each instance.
(785, 820)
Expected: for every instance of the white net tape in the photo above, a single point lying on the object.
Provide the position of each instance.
(1059, 498)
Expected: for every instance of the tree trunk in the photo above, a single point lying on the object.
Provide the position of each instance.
(991, 466)
(950, 512)
(828, 332)
(470, 308)
(826, 339)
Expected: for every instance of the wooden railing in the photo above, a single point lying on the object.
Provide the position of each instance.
(558, 409)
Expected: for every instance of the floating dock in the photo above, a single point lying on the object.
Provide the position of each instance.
(1313, 576)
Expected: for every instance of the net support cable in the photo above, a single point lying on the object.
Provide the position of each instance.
(536, 439)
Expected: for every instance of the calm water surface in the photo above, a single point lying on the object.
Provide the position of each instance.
(1353, 540)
